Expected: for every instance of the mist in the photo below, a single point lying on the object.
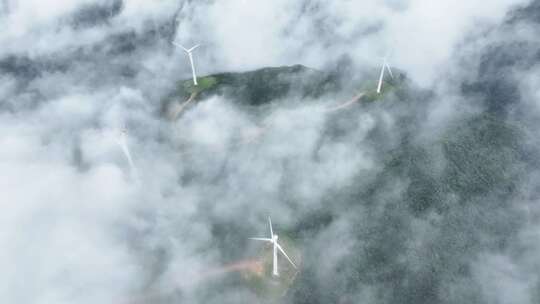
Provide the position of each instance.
(431, 197)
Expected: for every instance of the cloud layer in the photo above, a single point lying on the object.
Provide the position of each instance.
(363, 193)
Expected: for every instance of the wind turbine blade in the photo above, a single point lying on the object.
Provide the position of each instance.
(193, 48)
(128, 156)
(389, 70)
(181, 46)
(125, 149)
(271, 231)
(282, 251)
(261, 239)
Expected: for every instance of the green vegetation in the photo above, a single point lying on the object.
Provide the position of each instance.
(270, 85)
(260, 87)
(475, 156)
(204, 83)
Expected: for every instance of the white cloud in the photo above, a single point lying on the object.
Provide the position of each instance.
(75, 228)
(420, 34)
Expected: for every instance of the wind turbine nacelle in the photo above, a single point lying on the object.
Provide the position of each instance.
(275, 237)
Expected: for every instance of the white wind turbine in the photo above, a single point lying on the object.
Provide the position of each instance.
(385, 66)
(274, 241)
(190, 55)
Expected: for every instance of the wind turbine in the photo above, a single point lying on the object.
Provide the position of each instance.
(274, 241)
(385, 66)
(190, 55)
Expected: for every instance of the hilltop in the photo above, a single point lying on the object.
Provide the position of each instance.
(272, 84)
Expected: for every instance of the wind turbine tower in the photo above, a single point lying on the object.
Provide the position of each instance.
(189, 52)
(276, 247)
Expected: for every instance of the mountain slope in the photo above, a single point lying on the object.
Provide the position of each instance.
(272, 84)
